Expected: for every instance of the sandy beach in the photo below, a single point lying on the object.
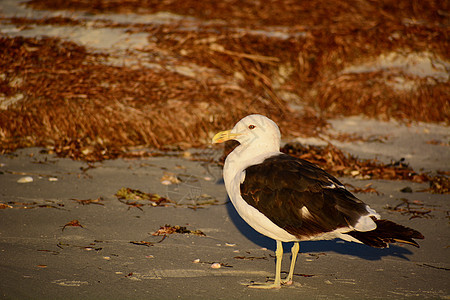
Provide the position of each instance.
(65, 233)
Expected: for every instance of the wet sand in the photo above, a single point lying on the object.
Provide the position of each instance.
(41, 259)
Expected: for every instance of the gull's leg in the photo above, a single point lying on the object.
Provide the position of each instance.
(277, 283)
(279, 255)
(294, 250)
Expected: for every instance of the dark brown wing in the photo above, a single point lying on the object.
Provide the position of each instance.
(282, 187)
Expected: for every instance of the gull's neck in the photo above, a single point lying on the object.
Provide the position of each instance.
(246, 155)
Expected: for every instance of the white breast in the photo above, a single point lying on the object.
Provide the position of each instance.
(233, 177)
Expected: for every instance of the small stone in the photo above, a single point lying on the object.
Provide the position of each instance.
(406, 190)
(25, 179)
(354, 172)
(216, 266)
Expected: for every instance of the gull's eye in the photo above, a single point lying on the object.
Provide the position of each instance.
(251, 126)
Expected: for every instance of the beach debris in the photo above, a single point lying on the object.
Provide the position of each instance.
(250, 257)
(32, 204)
(147, 244)
(298, 274)
(49, 251)
(406, 189)
(142, 243)
(255, 59)
(53, 179)
(169, 178)
(132, 196)
(5, 206)
(317, 255)
(366, 189)
(339, 163)
(434, 267)
(168, 229)
(26, 179)
(439, 184)
(89, 201)
(414, 209)
(216, 265)
(90, 247)
(212, 265)
(73, 223)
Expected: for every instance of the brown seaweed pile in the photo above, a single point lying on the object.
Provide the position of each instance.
(298, 62)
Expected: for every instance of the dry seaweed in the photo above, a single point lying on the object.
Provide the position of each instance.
(73, 223)
(145, 243)
(439, 184)
(366, 189)
(127, 195)
(340, 163)
(250, 257)
(89, 201)
(88, 110)
(168, 229)
(31, 205)
(414, 209)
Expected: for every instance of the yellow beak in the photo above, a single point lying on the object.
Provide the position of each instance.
(224, 136)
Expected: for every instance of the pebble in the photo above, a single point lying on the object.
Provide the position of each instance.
(25, 179)
(216, 266)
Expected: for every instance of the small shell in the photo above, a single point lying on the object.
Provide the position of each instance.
(196, 261)
(25, 179)
(354, 172)
(52, 179)
(216, 266)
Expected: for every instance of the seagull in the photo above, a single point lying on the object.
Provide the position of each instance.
(291, 200)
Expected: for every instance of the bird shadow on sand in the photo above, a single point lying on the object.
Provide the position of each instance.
(338, 246)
